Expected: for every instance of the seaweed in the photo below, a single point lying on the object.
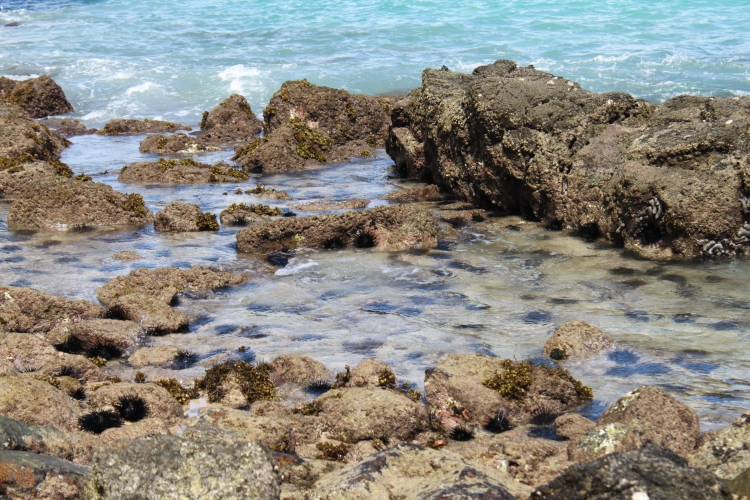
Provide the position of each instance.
(136, 205)
(254, 381)
(181, 393)
(207, 222)
(342, 378)
(310, 409)
(204, 120)
(311, 144)
(332, 452)
(514, 382)
(386, 378)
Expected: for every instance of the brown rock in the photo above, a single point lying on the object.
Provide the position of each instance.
(22, 136)
(175, 144)
(25, 475)
(127, 255)
(391, 228)
(88, 444)
(239, 214)
(155, 316)
(724, 451)
(91, 335)
(32, 311)
(160, 404)
(20, 174)
(231, 120)
(120, 126)
(155, 356)
(43, 439)
(63, 203)
(572, 426)
(39, 97)
(575, 338)
(166, 282)
(269, 192)
(68, 128)
(372, 373)
(414, 195)
(35, 402)
(185, 171)
(181, 217)
(298, 370)
(324, 205)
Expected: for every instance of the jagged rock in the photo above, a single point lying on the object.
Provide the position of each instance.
(269, 192)
(68, 128)
(39, 97)
(298, 370)
(179, 217)
(185, 171)
(166, 282)
(323, 205)
(371, 373)
(127, 255)
(231, 120)
(155, 316)
(664, 181)
(43, 439)
(572, 425)
(473, 388)
(36, 402)
(411, 471)
(159, 402)
(414, 195)
(25, 475)
(106, 338)
(650, 472)
(170, 468)
(174, 144)
(18, 176)
(245, 215)
(575, 338)
(155, 356)
(120, 126)
(31, 311)
(390, 228)
(646, 415)
(63, 203)
(724, 451)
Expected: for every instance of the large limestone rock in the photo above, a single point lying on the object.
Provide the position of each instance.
(651, 472)
(574, 339)
(387, 228)
(61, 203)
(121, 126)
(36, 402)
(31, 311)
(184, 217)
(231, 120)
(668, 180)
(27, 475)
(185, 171)
(39, 97)
(165, 283)
(170, 468)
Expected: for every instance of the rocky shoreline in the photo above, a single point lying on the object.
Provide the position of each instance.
(666, 181)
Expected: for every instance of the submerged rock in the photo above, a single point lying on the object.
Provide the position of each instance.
(39, 97)
(231, 120)
(31, 311)
(165, 283)
(574, 339)
(181, 217)
(61, 203)
(29, 475)
(724, 451)
(120, 126)
(170, 468)
(664, 180)
(127, 255)
(651, 472)
(387, 228)
(185, 171)
(174, 144)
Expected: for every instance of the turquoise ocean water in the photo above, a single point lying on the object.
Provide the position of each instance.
(173, 59)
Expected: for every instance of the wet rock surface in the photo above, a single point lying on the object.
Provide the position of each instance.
(185, 171)
(183, 217)
(414, 195)
(68, 128)
(61, 203)
(664, 180)
(29, 475)
(319, 206)
(385, 228)
(178, 143)
(724, 451)
(298, 370)
(231, 120)
(39, 97)
(240, 214)
(167, 467)
(575, 338)
(155, 316)
(121, 126)
(31, 311)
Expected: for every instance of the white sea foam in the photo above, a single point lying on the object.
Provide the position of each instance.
(295, 266)
(241, 78)
(143, 87)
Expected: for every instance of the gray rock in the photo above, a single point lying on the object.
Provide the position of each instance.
(183, 217)
(43, 439)
(29, 475)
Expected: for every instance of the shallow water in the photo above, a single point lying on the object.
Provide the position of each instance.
(174, 59)
(501, 288)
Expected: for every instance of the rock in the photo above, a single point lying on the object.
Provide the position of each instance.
(298, 370)
(411, 471)
(35, 402)
(185, 171)
(18, 176)
(342, 116)
(474, 388)
(646, 415)
(664, 181)
(740, 485)
(39, 97)
(180, 217)
(29, 475)
(358, 414)
(24, 138)
(166, 282)
(324, 205)
(298, 475)
(159, 402)
(31, 311)
(43, 439)
(231, 120)
(460, 218)
(391, 228)
(68, 128)
(106, 338)
(127, 255)
(154, 356)
(63, 203)
(239, 214)
(89, 443)
(572, 425)
(651, 472)
(574, 339)
(724, 451)
(167, 468)
(238, 384)
(120, 126)
(414, 195)
(175, 144)
(155, 316)
(372, 373)
(269, 192)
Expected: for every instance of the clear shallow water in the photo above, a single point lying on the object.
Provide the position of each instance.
(499, 287)
(174, 59)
